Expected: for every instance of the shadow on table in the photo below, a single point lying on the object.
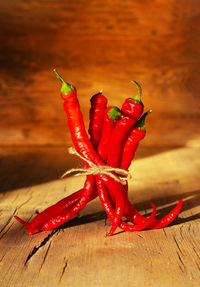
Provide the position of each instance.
(23, 167)
(190, 201)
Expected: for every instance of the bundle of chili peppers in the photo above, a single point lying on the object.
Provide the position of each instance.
(114, 137)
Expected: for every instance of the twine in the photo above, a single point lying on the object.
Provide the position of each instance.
(122, 174)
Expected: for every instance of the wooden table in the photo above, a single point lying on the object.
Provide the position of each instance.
(79, 253)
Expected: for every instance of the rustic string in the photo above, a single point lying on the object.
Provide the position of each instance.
(122, 174)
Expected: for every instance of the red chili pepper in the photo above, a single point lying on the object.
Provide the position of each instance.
(118, 139)
(167, 219)
(120, 198)
(136, 135)
(68, 214)
(136, 218)
(79, 136)
(53, 211)
(67, 209)
(76, 124)
(83, 145)
(111, 115)
(133, 107)
(97, 112)
(105, 201)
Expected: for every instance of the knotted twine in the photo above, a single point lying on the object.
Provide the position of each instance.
(98, 169)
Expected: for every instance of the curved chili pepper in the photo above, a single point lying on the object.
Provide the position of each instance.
(105, 201)
(131, 213)
(111, 115)
(97, 112)
(167, 219)
(136, 135)
(75, 121)
(68, 214)
(53, 211)
(119, 199)
(76, 124)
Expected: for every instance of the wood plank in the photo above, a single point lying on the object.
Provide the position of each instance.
(80, 254)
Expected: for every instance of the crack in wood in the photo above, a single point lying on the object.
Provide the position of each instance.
(23, 203)
(2, 257)
(45, 256)
(181, 232)
(179, 257)
(177, 244)
(8, 221)
(197, 266)
(64, 268)
(196, 252)
(165, 232)
(139, 235)
(43, 243)
(2, 235)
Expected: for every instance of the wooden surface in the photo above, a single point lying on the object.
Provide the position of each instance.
(79, 254)
(99, 45)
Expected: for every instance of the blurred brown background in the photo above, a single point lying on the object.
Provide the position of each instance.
(94, 45)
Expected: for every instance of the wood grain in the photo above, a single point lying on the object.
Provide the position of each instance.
(79, 253)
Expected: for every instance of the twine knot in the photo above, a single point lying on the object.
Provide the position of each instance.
(118, 174)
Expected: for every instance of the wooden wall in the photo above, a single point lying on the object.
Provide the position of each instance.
(98, 45)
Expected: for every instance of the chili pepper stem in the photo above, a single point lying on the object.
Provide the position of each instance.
(114, 113)
(137, 98)
(140, 124)
(66, 87)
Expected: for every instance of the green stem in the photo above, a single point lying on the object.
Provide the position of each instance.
(114, 113)
(66, 87)
(137, 98)
(141, 122)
